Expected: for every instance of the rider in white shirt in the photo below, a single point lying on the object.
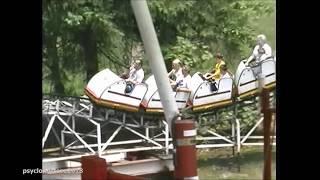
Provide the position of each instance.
(136, 74)
(185, 83)
(176, 71)
(261, 51)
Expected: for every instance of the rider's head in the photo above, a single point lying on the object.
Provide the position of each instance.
(219, 57)
(261, 39)
(176, 64)
(138, 64)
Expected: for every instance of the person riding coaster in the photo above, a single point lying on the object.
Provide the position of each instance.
(215, 74)
(136, 75)
(261, 51)
(258, 69)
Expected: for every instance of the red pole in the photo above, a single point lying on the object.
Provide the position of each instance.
(185, 159)
(94, 168)
(267, 112)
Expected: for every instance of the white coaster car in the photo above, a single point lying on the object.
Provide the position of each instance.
(108, 90)
(203, 98)
(246, 77)
(152, 103)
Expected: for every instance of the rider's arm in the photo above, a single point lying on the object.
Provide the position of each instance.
(254, 54)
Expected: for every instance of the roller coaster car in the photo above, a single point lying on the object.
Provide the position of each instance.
(108, 90)
(152, 103)
(204, 99)
(246, 77)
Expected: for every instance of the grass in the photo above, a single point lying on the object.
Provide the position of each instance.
(220, 164)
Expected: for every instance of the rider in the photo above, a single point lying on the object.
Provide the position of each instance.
(175, 75)
(136, 76)
(185, 83)
(261, 51)
(216, 70)
(136, 73)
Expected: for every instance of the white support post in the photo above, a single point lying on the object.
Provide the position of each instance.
(251, 131)
(208, 138)
(110, 144)
(144, 137)
(44, 139)
(80, 139)
(158, 135)
(233, 135)
(90, 111)
(88, 134)
(213, 145)
(166, 135)
(99, 140)
(80, 134)
(133, 149)
(84, 107)
(73, 123)
(111, 138)
(238, 135)
(124, 118)
(62, 140)
(136, 122)
(54, 132)
(257, 144)
(232, 131)
(57, 105)
(221, 137)
(73, 118)
(98, 136)
(147, 132)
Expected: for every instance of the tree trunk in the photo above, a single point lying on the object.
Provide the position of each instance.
(54, 65)
(89, 44)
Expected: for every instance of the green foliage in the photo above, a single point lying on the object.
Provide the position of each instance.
(191, 54)
(64, 25)
(169, 10)
(221, 123)
(223, 25)
(189, 30)
(267, 25)
(248, 116)
(95, 18)
(74, 84)
(46, 87)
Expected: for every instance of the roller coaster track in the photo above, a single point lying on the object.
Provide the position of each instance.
(73, 126)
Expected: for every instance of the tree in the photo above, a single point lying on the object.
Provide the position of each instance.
(192, 54)
(51, 31)
(81, 37)
(221, 24)
(74, 32)
(91, 26)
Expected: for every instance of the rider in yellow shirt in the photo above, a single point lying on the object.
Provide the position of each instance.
(215, 74)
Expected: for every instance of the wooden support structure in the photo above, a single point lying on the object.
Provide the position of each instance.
(267, 112)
